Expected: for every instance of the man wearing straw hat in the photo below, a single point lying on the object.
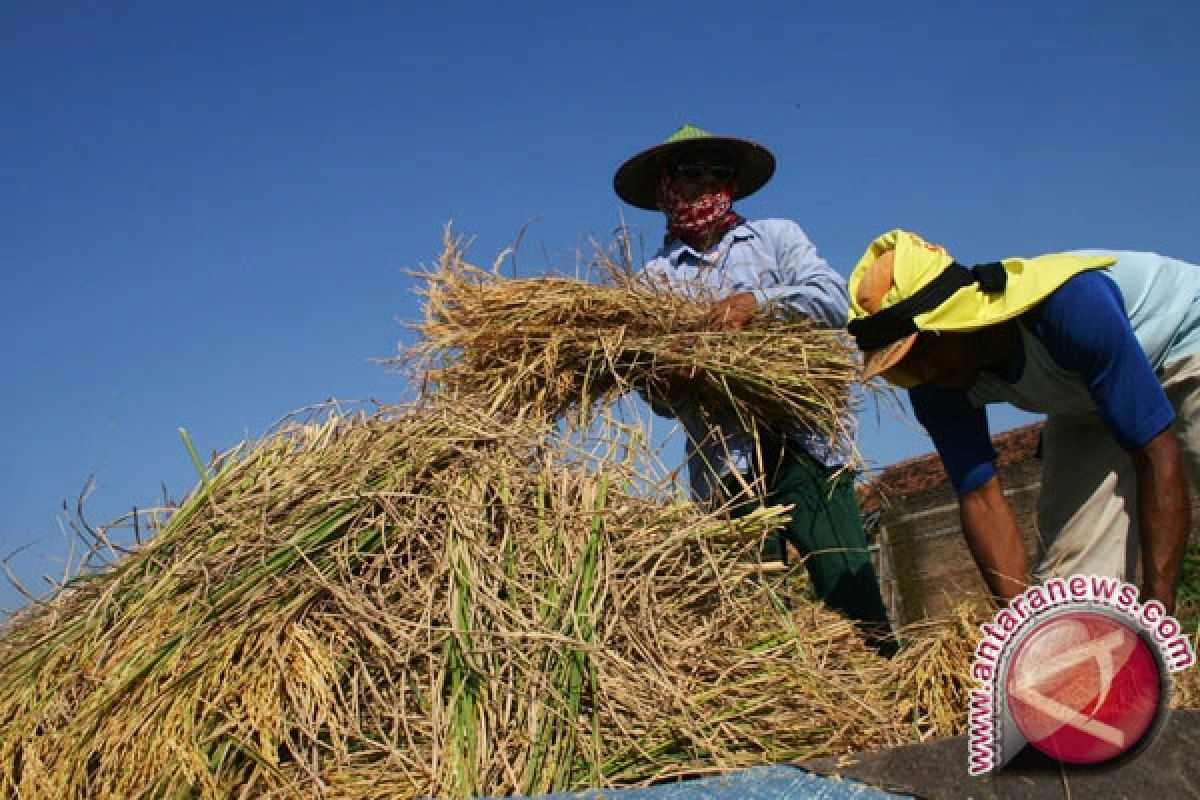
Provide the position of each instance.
(767, 266)
(1106, 344)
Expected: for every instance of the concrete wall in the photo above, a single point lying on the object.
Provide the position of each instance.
(924, 566)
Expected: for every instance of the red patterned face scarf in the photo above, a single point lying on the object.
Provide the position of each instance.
(712, 211)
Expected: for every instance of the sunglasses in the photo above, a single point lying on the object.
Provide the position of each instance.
(696, 172)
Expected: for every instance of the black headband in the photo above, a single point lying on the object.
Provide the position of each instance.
(895, 322)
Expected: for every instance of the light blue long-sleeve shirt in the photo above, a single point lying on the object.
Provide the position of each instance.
(775, 260)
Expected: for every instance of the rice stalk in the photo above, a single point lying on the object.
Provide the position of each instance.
(548, 345)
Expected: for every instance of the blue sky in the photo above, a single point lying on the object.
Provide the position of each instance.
(207, 208)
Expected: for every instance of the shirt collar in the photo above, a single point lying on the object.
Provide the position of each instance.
(677, 251)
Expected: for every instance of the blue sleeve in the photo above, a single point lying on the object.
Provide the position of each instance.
(1086, 330)
(960, 434)
(802, 281)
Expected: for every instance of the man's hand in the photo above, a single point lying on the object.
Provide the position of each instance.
(1163, 516)
(732, 313)
(994, 540)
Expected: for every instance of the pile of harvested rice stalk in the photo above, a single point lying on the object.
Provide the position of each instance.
(428, 603)
(550, 344)
(453, 601)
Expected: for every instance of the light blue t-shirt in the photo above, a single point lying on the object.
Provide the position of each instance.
(773, 259)
(1162, 301)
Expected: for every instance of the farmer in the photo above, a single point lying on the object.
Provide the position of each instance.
(764, 266)
(1107, 345)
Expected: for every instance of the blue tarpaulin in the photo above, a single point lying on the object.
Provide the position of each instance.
(759, 783)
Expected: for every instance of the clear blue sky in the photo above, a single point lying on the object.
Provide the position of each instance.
(207, 208)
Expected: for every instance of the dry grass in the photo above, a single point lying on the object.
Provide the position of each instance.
(551, 344)
(932, 673)
(417, 604)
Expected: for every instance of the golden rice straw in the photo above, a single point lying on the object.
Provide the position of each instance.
(547, 345)
(426, 603)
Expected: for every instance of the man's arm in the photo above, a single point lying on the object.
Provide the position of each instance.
(1085, 327)
(801, 282)
(960, 434)
(994, 540)
(1164, 515)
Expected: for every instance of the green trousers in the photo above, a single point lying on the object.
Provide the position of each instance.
(826, 528)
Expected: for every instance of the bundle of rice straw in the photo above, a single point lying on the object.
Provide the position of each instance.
(426, 603)
(546, 345)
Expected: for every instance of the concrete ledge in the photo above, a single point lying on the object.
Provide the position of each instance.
(1169, 768)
